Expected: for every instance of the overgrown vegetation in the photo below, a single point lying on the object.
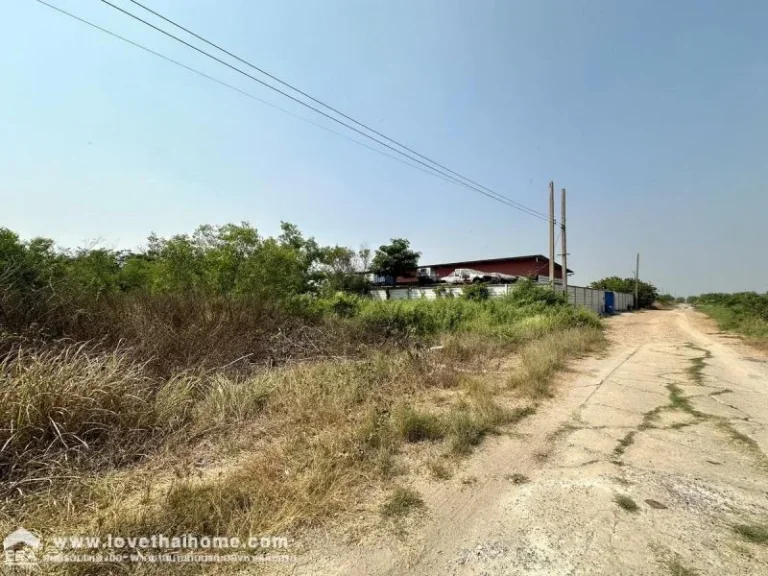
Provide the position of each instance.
(206, 299)
(228, 383)
(667, 300)
(743, 312)
(475, 292)
(542, 357)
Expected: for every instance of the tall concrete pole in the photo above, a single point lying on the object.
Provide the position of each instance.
(637, 280)
(565, 244)
(552, 235)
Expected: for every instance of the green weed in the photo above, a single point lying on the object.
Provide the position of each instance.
(757, 533)
(626, 503)
(401, 501)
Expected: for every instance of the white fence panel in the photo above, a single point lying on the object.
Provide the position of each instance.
(577, 295)
(399, 294)
(419, 293)
(379, 294)
(499, 290)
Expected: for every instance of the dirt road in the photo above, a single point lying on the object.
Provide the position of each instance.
(674, 418)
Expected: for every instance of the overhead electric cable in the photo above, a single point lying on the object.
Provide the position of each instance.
(243, 92)
(322, 103)
(422, 165)
(489, 193)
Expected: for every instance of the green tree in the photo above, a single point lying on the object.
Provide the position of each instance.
(137, 271)
(395, 259)
(93, 271)
(647, 292)
(343, 269)
(364, 258)
(27, 266)
(282, 267)
(179, 264)
(30, 273)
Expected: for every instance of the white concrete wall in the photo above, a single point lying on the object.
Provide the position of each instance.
(578, 296)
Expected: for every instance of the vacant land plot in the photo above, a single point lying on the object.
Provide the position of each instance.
(341, 401)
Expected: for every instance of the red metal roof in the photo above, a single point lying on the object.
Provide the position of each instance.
(468, 263)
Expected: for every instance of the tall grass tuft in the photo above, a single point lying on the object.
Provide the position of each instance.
(68, 408)
(541, 358)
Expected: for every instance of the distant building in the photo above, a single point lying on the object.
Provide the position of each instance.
(529, 266)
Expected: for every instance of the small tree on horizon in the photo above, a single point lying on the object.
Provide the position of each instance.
(395, 259)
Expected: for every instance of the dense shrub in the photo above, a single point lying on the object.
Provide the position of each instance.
(527, 311)
(475, 292)
(443, 291)
(647, 292)
(227, 297)
(741, 303)
(52, 293)
(204, 300)
(666, 299)
(745, 312)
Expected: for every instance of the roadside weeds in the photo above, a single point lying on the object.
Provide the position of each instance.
(301, 444)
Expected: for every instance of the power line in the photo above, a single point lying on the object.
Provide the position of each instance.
(431, 171)
(324, 104)
(490, 194)
(243, 92)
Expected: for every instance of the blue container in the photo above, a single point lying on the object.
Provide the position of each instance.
(609, 302)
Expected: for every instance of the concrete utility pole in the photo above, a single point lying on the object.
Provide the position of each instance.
(637, 279)
(552, 235)
(565, 244)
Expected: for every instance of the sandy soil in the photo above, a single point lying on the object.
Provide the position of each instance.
(701, 463)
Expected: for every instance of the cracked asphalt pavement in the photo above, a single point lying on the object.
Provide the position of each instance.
(673, 418)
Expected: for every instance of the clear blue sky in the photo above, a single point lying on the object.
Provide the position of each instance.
(654, 116)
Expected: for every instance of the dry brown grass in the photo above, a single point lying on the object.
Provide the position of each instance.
(285, 448)
(541, 359)
(332, 428)
(176, 332)
(64, 410)
(439, 470)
